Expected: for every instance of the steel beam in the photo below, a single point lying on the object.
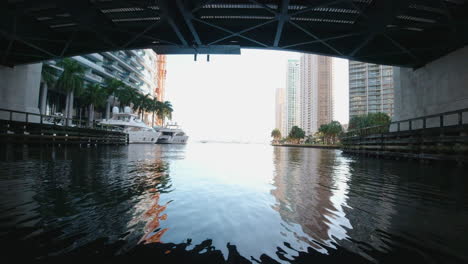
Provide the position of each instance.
(187, 15)
(282, 18)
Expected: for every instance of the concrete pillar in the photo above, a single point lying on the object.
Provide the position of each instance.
(107, 117)
(19, 90)
(439, 86)
(43, 104)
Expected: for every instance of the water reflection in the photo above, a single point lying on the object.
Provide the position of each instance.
(302, 197)
(227, 203)
(62, 199)
(370, 207)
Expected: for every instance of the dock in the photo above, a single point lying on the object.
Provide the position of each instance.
(17, 127)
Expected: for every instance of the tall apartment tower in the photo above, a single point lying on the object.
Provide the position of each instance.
(316, 92)
(280, 111)
(293, 104)
(160, 90)
(370, 89)
(161, 77)
(135, 68)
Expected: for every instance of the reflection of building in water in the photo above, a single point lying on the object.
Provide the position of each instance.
(153, 211)
(370, 208)
(315, 189)
(153, 215)
(302, 190)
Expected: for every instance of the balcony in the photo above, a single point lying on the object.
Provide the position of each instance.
(91, 64)
(114, 66)
(136, 63)
(134, 78)
(123, 60)
(89, 76)
(133, 52)
(137, 52)
(96, 57)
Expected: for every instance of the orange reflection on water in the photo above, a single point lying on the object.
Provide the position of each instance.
(154, 216)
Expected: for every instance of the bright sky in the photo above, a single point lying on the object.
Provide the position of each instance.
(232, 97)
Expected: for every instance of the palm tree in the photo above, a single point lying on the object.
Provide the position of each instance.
(48, 78)
(165, 110)
(94, 96)
(330, 131)
(154, 105)
(296, 134)
(111, 86)
(126, 95)
(147, 105)
(276, 134)
(160, 112)
(70, 81)
(140, 103)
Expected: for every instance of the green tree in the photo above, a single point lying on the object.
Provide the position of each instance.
(323, 130)
(70, 81)
(331, 131)
(370, 120)
(48, 79)
(153, 108)
(276, 134)
(94, 96)
(141, 103)
(296, 134)
(48, 74)
(378, 119)
(111, 86)
(126, 95)
(165, 111)
(147, 106)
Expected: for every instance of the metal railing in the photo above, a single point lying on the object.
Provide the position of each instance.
(423, 119)
(33, 118)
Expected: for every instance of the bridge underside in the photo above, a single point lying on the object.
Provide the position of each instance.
(407, 33)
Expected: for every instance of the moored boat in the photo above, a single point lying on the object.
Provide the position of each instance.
(171, 134)
(137, 130)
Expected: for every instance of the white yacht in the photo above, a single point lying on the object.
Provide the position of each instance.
(171, 134)
(137, 130)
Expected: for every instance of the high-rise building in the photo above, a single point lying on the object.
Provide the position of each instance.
(135, 68)
(316, 92)
(280, 111)
(161, 81)
(161, 77)
(370, 89)
(293, 111)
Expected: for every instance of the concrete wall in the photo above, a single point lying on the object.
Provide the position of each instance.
(19, 88)
(440, 86)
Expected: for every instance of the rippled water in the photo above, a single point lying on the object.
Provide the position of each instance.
(215, 203)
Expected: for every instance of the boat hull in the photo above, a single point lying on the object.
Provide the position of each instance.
(172, 140)
(142, 137)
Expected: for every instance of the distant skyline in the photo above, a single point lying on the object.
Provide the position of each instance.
(232, 97)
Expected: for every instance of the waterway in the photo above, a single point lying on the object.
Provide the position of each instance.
(229, 203)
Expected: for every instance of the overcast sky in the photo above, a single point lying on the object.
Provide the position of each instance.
(232, 97)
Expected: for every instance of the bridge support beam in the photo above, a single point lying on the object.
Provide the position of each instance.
(19, 88)
(439, 86)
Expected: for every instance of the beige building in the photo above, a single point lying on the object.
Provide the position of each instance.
(280, 108)
(316, 84)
